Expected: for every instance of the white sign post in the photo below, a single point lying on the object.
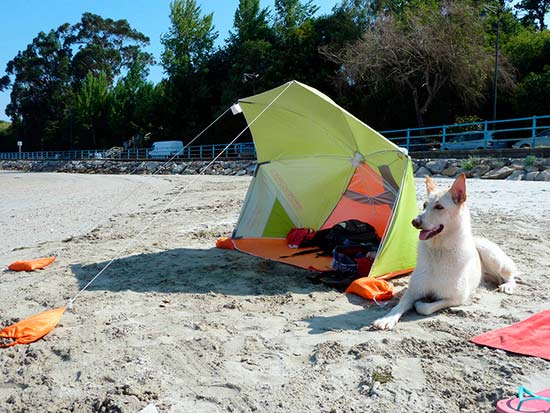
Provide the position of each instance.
(19, 144)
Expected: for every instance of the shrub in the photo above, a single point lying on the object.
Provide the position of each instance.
(529, 160)
(468, 164)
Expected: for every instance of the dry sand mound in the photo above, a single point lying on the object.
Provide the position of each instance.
(188, 328)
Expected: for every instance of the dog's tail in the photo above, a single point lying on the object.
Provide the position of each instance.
(496, 265)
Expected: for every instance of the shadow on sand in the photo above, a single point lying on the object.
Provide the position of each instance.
(201, 271)
(197, 271)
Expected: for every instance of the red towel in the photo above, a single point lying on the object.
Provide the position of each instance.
(530, 337)
(298, 237)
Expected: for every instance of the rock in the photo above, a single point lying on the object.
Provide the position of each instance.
(415, 167)
(501, 173)
(517, 175)
(437, 166)
(543, 176)
(450, 170)
(479, 170)
(531, 176)
(422, 172)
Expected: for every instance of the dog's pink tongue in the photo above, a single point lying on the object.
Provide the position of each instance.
(424, 234)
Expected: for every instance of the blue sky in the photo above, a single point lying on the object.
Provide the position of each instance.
(22, 20)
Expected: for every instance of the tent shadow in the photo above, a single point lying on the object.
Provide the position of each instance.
(196, 271)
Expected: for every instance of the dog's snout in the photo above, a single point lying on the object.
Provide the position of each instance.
(417, 223)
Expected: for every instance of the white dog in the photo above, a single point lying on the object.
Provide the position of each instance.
(450, 261)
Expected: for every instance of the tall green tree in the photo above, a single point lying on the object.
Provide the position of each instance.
(41, 91)
(290, 14)
(189, 41)
(250, 23)
(49, 73)
(106, 46)
(130, 102)
(534, 12)
(92, 109)
(188, 45)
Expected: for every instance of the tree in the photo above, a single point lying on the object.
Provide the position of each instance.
(290, 14)
(529, 51)
(533, 94)
(91, 107)
(188, 46)
(49, 73)
(130, 105)
(189, 41)
(534, 10)
(41, 92)
(422, 51)
(250, 23)
(105, 46)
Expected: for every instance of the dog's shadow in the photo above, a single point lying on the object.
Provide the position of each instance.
(360, 319)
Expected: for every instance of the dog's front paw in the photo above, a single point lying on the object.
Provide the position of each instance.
(508, 287)
(386, 323)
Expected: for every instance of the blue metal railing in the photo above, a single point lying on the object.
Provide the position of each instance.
(528, 132)
(519, 132)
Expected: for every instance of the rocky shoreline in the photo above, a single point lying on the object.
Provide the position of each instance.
(530, 168)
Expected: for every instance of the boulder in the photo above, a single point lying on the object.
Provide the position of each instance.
(437, 166)
(422, 172)
(543, 176)
(500, 173)
(450, 170)
(517, 175)
(531, 176)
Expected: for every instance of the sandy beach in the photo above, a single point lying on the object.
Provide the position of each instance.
(186, 327)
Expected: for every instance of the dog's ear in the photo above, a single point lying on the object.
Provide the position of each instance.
(458, 190)
(430, 185)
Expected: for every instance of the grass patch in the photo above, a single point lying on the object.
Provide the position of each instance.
(529, 160)
(468, 164)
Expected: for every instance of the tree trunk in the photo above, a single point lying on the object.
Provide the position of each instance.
(419, 112)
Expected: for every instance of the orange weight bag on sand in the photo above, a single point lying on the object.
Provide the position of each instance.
(371, 288)
(31, 329)
(31, 265)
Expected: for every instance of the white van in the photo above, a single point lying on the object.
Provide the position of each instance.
(166, 149)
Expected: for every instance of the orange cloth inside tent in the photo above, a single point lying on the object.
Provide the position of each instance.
(277, 249)
(31, 265)
(365, 182)
(33, 328)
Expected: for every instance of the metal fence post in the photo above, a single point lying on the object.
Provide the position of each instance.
(408, 137)
(444, 136)
(534, 132)
(485, 133)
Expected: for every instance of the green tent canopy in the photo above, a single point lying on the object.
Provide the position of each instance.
(319, 165)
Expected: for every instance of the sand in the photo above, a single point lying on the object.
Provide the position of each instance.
(181, 325)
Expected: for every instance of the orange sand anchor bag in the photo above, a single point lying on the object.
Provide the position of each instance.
(31, 265)
(371, 288)
(31, 329)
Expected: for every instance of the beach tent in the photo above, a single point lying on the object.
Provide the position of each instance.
(319, 165)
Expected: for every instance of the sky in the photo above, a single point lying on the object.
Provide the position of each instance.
(22, 20)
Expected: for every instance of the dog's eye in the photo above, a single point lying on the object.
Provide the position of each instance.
(438, 207)
(425, 205)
